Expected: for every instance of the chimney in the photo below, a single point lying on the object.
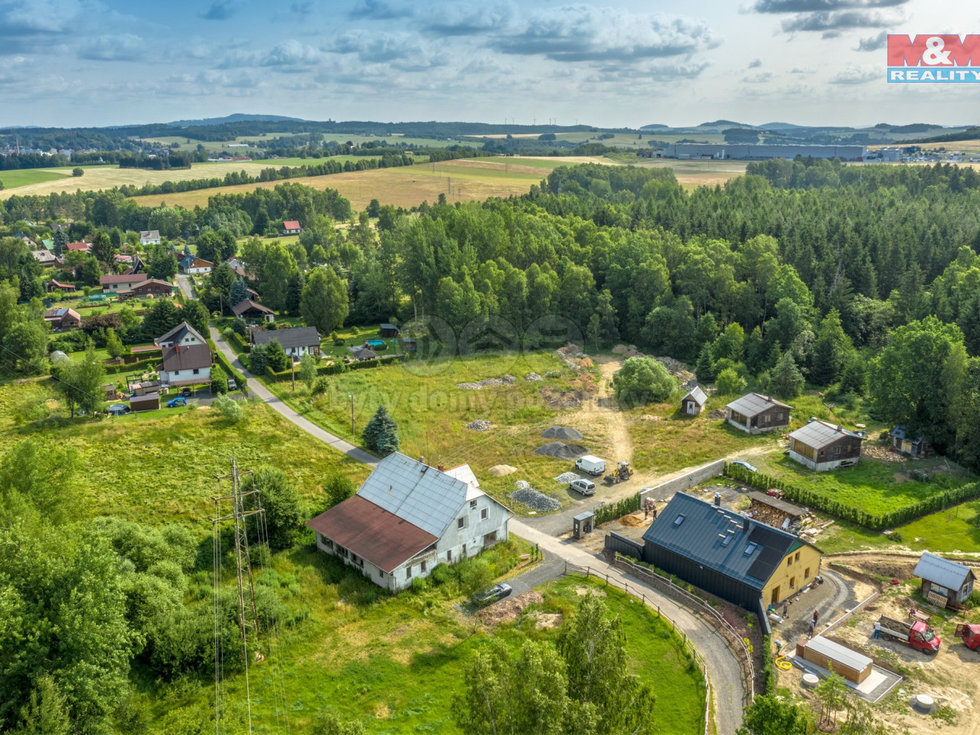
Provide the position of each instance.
(717, 498)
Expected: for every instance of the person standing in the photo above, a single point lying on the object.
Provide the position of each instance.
(812, 623)
(816, 615)
(877, 629)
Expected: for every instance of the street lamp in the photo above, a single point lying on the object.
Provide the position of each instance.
(351, 396)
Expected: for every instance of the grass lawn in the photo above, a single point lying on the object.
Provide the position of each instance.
(28, 176)
(953, 529)
(395, 662)
(873, 486)
(160, 465)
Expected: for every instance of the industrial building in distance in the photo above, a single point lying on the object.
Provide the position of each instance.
(760, 152)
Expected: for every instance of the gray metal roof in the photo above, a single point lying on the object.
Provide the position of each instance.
(697, 394)
(847, 656)
(698, 530)
(291, 337)
(944, 572)
(177, 334)
(752, 404)
(819, 434)
(415, 492)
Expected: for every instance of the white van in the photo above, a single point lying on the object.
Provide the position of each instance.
(590, 464)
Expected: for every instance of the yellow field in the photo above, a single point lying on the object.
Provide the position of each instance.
(106, 177)
(409, 186)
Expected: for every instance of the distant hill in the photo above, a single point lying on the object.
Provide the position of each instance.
(780, 126)
(655, 126)
(237, 117)
(968, 134)
(722, 124)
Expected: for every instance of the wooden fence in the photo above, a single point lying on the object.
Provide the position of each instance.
(735, 642)
(639, 593)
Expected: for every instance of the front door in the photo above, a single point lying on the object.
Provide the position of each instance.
(775, 595)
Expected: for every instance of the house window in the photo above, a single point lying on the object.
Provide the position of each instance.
(796, 556)
(679, 520)
(449, 555)
(423, 567)
(381, 574)
(196, 371)
(483, 514)
(460, 522)
(789, 561)
(408, 572)
(750, 548)
(464, 551)
(806, 573)
(472, 505)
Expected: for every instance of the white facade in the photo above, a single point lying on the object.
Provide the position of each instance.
(186, 377)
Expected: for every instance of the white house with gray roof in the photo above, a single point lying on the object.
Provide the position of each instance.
(407, 518)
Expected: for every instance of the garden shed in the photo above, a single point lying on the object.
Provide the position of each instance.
(944, 581)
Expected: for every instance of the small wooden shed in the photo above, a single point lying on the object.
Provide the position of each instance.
(693, 402)
(829, 655)
(146, 402)
(944, 581)
(388, 331)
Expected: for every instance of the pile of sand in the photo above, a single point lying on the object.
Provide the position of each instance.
(561, 432)
(501, 470)
(560, 450)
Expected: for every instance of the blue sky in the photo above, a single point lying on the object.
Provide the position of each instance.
(615, 63)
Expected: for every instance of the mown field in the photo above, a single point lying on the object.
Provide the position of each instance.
(160, 465)
(189, 144)
(95, 178)
(394, 663)
(29, 176)
(406, 186)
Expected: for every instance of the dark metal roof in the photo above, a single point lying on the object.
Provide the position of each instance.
(186, 357)
(819, 434)
(177, 334)
(752, 404)
(292, 337)
(720, 539)
(247, 305)
(372, 532)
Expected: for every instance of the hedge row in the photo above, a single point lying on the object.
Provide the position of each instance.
(875, 521)
(617, 510)
(334, 369)
(226, 366)
(240, 342)
(133, 367)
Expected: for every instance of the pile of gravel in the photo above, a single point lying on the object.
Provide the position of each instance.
(532, 377)
(566, 477)
(561, 432)
(533, 499)
(488, 383)
(479, 425)
(559, 450)
(508, 379)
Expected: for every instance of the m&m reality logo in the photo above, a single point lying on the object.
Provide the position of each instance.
(935, 59)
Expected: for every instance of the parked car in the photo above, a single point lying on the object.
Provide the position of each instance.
(178, 401)
(186, 392)
(746, 465)
(232, 385)
(591, 464)
(582, 485)
(497, 592)
(118, 409)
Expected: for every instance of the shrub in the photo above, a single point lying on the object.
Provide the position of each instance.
(230, 409)
(219, 384)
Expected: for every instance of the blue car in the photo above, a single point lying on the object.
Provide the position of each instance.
(744, 464)
(178, 401)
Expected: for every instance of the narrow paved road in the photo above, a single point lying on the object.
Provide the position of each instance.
(723, 668)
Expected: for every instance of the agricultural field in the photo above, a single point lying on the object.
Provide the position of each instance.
(394, 662)
(159, 466)
(29, 176)
(212, 146)
(405, 186)
(106, 177)
(692, 174)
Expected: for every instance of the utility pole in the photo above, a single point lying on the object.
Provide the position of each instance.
(248, 618)
(351, 396)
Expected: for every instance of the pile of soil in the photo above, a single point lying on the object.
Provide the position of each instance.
(716, 414)
(571, 354)
(627, 351)
(560, 450)
(533, 499)
(561, 432)
(508, 609)
(561, 399)
(479, 425)
(501, 470)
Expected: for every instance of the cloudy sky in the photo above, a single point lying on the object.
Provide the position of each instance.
(613, 63)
